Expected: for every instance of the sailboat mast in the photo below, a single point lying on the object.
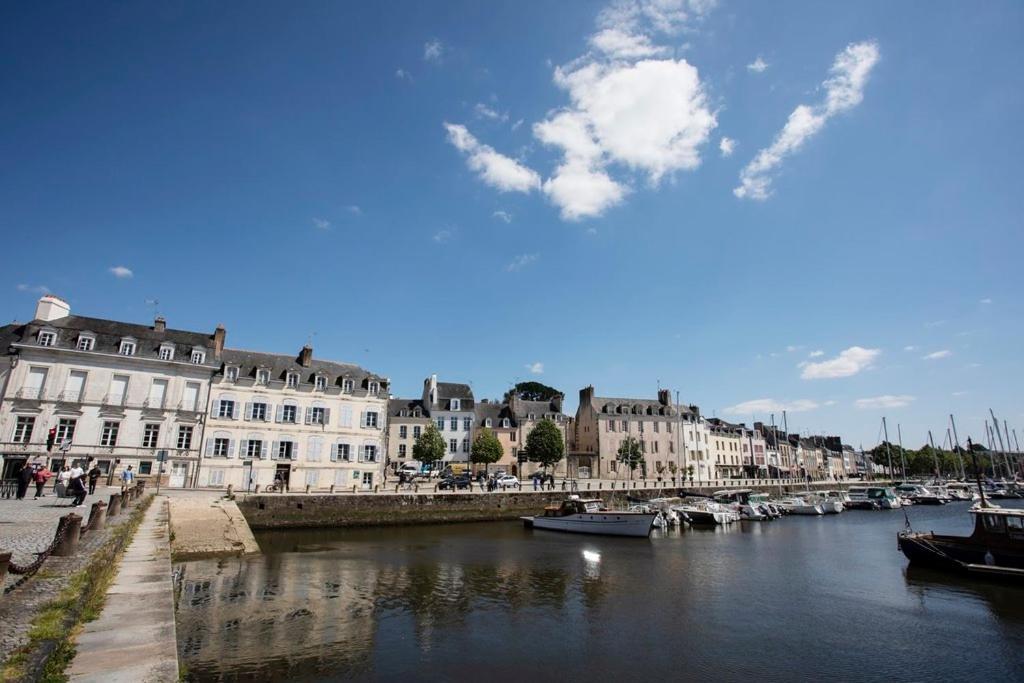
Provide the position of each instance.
(888, 453)
(903, 457)
(959, 455)
(935, 454)
(977, 472)
(785, 430)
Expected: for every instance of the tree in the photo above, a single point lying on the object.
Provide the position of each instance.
(545, 444)
(429, 448)
(486, 449)
(630, 454)
(532, 391)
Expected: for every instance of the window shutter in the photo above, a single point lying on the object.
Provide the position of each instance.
(334, 452)
(362, 454)
(295, 450)
(309, 415)
(268, 413)
(209, 446)
(362, 419)
(243, 448)
(279, 415)
(248, 411)
(236, 411)
(275, 447)
(327, 416)
(231, 447)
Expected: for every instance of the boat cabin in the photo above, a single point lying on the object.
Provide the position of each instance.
(998, 524)
(574, 506)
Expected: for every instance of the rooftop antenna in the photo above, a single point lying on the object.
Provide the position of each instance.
(155, 305)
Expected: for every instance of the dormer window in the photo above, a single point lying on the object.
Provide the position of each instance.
(417, 413)
(346, 386)
(198, 357)
(263, 376)
(292, 380)
(127, 347)
(47, 338)
(456, 404)
(321, 383)
(505, 424)
(231, 374)
(487, 423)
(531, 416)
(374, 388)
(166, 352)
(86, 342)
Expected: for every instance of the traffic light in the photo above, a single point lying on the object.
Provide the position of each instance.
(51, 437)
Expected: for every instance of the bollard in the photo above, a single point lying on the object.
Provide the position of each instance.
(231, 491)
(5, 560)
(415, 488)
(599, 485)
(126, 499)
(588, 485)
(98, 516)
(142, 486)
(353, 488)
(307, 488)
(376, 488)
(332, 488)
(68, 531)
(114, 506)
(257, 489)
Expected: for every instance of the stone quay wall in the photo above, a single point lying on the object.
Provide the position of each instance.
(293, 511)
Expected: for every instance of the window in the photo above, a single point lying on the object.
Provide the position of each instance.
(531, 416)
(403, 432)
(146, 467)
(371, 419)
(23, 429)
(467, 424)
(465, 445)
(440, 424)
(344, 452)
(289, 414)
(625, 425)
(487, 423)
(456, 404)
(401, 450)
(346, 386)
(453, 445)
(127, 348)
(321, 383)
(454, 424)
(108, 437)
(221, 447)
(166, 352)
(292, 380)
(285, 450)
(655, 427)
(370, 453)
(259, 411)
(185, 437)
(313, 448)
(254, 449)
(47, 338)
(263, 376)
(66, 429)
(317, 415)
(416, 432)
(505, 424)
(231, 374)
(610, 426)
(86, 343)
(374, 388)
(150, 436)
(215, 478)
(198, 357)
(640, 426)
(226, 409)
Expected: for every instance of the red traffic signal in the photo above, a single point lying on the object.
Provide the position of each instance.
(51, 437)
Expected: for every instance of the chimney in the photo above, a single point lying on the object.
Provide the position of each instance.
(664, 397)
(556, 402)
(306, 356)
(50, 307)
(160, 324)
(219, 337)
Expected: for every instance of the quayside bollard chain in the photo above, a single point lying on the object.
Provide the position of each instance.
(25, 572)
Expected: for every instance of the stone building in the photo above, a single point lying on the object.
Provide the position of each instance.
(451, 407)
(725, 447)
(499, 419)
(295, 419)
(406, 421)
(118, 392)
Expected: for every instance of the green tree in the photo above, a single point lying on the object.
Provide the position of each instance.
(545, 444)
(429, 448)
(532, 391)
(486, 449)
(630, 454)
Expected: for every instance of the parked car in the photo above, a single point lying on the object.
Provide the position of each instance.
(507, 482)
(461, 481)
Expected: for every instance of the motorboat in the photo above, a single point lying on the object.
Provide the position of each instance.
(831, 502)
(994, 550)
(920, 495)
(857, 499)
(706, 512)
(885, 497)
(590, 516)
(796, 505)
(748, 503)
(961, 491)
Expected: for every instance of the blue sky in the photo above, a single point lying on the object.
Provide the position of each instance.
(534, 190)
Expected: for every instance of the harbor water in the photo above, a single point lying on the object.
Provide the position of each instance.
(800, 598)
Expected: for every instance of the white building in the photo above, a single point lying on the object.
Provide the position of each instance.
(450, 406)
(294, 419)
(117, 392)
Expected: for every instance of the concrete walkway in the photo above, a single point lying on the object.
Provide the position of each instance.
(205, 527)
(134, 638)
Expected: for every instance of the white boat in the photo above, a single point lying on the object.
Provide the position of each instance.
(885, 497)
(589, 516)
(707, 512)
(831, 502)
(748, 503)
(795, 505)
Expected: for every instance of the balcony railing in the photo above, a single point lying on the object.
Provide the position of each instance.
(32, 393)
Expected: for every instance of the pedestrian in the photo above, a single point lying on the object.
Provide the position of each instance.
(77, 485)
(25, 475)
(63, 479)
(127, 478)
(536, 481)
(42, 474)
(94, 475)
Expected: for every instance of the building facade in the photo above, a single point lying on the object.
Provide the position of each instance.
(406, 421)
(451, 407)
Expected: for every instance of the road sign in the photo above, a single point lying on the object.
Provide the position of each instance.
(65, 445)
(161, 455)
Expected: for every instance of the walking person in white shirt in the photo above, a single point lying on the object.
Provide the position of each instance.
(77, 485)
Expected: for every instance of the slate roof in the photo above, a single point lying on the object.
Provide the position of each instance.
(409, 405)
(495, 412)
(600, 402)
(537, 408)
(280, 364)
(446, 391)
(109, 333)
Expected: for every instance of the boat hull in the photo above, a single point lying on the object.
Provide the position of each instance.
(634, 524)
(961, 555)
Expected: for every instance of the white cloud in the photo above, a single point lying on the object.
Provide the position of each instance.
(403, 75)
(497, 170)
(910, 347)
(726, 146)
(816, 354)
(793, 347)
(844, 89)
(121, 272)
(847, 363)
(619, 44)
(502, 216)
(886, 401)
(829, 403)
(935, 355)
(758, 65)
(763, 406)
(515, 126)
(536, 368)
(321, 224)
(354, 209)
(582, 192)
(433, 50)
(442, 236)
(520, 262)
(35, 289)
(959, 393)
(985, 301)
(662, 16)
(485, 112)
